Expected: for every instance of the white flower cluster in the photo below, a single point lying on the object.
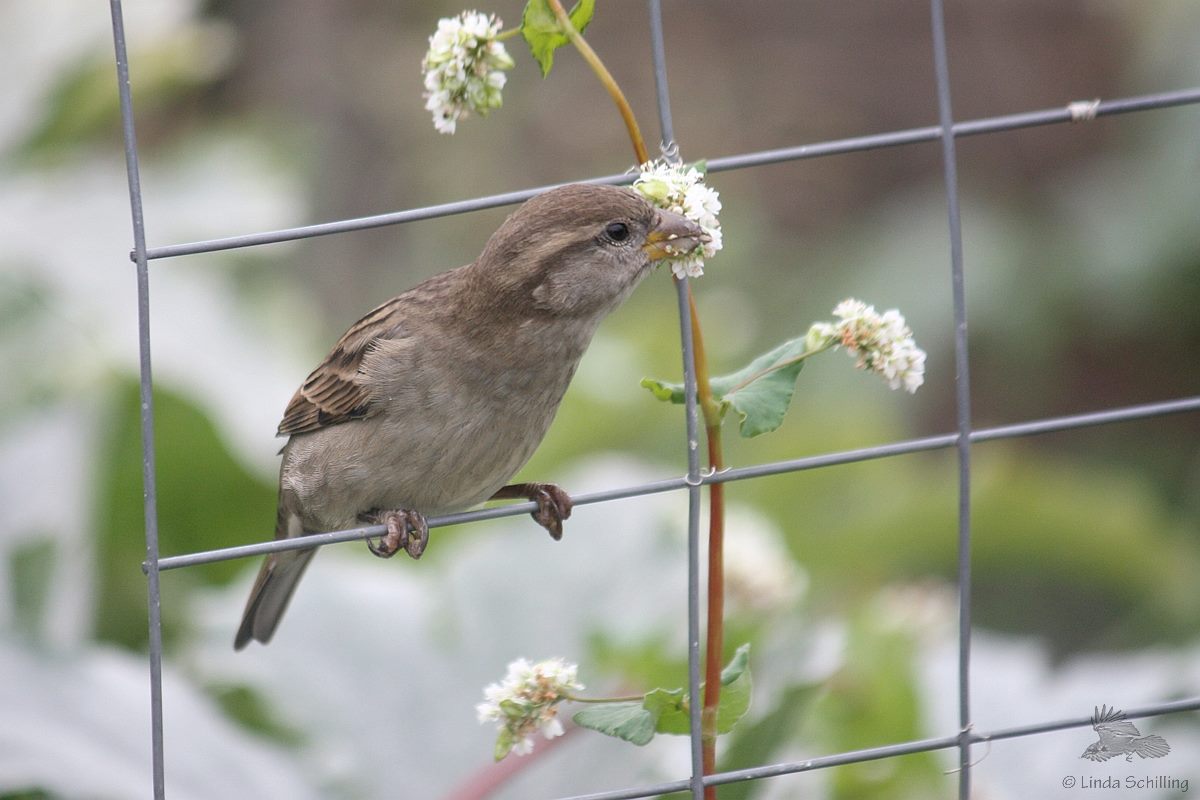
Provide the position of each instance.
(681, 189)
(882, 343)
(464, 68)
(525, 702)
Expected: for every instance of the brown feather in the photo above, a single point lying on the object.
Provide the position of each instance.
(332, 393)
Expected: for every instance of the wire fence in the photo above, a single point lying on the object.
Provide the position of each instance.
(961, 439)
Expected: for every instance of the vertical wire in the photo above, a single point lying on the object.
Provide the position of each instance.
(962, 389)
(658, 52)
(149, 489)
(693, 478)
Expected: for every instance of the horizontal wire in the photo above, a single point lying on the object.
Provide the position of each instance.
(1068, 113)
(1031, 428)
(884, 751)
(1008, 122)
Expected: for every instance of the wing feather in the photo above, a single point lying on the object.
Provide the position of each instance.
(334, 392)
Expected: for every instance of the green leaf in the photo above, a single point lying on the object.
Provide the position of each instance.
(667, 392)
(736, 687)
(629, 721)
(666, 710)
(737, 666)
(671, 707)
(504, 744)
(759, 392)
(543, 33)
(514, 708)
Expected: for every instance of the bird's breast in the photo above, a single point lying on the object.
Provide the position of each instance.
(446, 431)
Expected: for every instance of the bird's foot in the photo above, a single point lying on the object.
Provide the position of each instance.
(406, 530)
(553, 504)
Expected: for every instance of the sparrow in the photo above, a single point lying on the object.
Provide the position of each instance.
(1120, 737)
(431, 402)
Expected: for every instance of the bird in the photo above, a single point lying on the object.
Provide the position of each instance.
(433, 400)
(1120, 737)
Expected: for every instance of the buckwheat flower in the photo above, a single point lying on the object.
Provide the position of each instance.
(681, 189)
(882, 343)
(464, 68)
(525, 702)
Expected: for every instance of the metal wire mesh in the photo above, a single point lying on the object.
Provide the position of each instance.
(962, 439)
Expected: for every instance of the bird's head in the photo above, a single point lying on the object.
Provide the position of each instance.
(579, 250)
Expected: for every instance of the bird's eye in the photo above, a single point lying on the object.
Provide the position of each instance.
(616, 231)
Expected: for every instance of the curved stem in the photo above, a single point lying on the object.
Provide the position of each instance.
(708, 404)
(629, 699)
(606, 78)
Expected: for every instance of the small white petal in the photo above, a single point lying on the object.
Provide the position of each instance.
(552, 728)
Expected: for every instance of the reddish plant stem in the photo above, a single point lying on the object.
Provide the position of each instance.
(715, 640)
(712, 427)
(606, 79)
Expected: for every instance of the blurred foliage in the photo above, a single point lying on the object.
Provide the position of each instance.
(249, 710)
(871, 701)
(206, 499)
(171, 71)
(24, 299)
(29, 568)
(759, 741)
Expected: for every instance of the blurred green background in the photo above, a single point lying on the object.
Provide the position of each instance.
(1083, 279)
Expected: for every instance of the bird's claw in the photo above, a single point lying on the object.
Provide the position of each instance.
(553, 506)
(406, 530)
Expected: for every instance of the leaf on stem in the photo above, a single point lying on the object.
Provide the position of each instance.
(630, 721)
(736, 685)
(666, 710)
(759, 392)
(542, 31)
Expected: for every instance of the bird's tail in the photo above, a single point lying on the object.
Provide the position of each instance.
(277, 580)
(1152, 746)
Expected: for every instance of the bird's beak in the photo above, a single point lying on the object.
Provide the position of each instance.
(672, 235)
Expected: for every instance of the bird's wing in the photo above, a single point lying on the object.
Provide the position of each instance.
(1117, 731)
(1113, 720)
(334, 392)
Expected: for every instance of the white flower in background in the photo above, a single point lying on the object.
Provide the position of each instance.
(882, 343)
(525, 703)
(760, 573)
(681, 189)
(927, 609)
(464, 68)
